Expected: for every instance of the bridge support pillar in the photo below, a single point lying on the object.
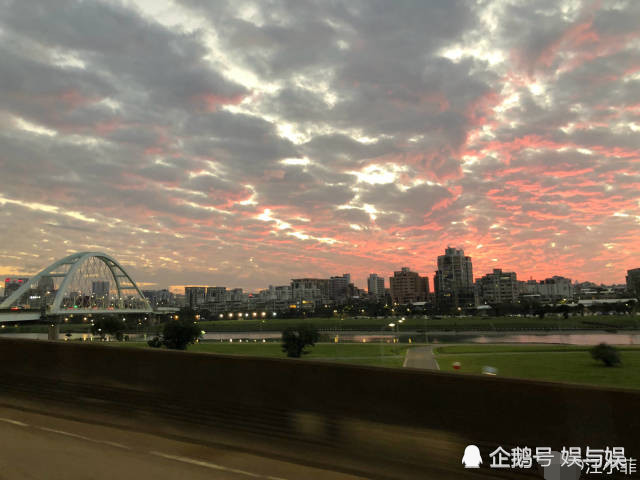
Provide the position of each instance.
(54, 331)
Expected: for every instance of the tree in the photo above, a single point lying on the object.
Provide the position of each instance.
(178, 334)
(295, 339)
(608, 354)
(187, 314)
(564, 310)
(108, 326)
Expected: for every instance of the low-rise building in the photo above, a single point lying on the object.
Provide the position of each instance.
(498, 287)
(408, 286)
(552, 289)
(11, 284)
(313, 289)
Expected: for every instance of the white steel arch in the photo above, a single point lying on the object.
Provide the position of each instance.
(69, 269)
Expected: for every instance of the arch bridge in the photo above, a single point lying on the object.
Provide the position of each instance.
(85, 283)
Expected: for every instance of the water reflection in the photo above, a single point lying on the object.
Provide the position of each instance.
(586, 338)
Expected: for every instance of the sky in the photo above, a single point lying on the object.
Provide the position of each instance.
(243, 143)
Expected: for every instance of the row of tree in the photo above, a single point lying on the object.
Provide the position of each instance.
(524, 307)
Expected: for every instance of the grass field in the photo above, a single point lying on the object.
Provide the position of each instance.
(418, 323)
(570, 364)
(380, 354)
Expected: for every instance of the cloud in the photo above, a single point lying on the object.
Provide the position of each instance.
(245, 143)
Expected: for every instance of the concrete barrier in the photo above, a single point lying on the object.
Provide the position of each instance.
(421, 418)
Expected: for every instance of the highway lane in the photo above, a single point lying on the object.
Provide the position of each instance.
(36, 446)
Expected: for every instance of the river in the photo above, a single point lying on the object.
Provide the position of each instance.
(560, 337)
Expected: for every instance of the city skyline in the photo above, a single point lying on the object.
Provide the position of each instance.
(358, 282)
(245, 144)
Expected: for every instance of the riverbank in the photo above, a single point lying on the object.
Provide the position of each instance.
(422, 324)
(560, 363)
(414, 324)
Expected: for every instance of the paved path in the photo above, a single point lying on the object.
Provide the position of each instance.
(421, 357)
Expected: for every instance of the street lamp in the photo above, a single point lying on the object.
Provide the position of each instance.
(391, 325)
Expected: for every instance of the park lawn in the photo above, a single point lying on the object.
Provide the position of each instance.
(560, 365)
(377, 354)
(513, 348)
(38, 328)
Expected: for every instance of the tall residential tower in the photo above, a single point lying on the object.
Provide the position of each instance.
(453, 281)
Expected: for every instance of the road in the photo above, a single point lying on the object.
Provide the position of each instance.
(37, 446)
(421, 357)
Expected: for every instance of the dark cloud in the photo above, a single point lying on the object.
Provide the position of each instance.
(317, 136)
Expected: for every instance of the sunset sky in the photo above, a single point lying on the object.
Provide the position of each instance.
(244, 143)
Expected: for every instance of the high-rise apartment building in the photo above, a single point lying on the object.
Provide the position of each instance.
(408, 286)
(633, 282)
(498, 287)
(375, 287)
(453, 281)
(339, 288)
(216, 294)
(194, 296)
(100, 288)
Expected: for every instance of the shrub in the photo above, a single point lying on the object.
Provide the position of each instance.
(607, 354)
(178, 334)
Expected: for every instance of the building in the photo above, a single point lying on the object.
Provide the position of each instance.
(375, 287)
(283, 292)
(11, 284)
(310, 289)
(498, 287)
(633, 282)
(552, 289)
(160, 298)
(591, 291)
(194, 296)
(100, 289)
(408, 287)
(339, 288)
(453, 281)
(216, 294)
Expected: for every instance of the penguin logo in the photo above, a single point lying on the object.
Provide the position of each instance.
(471, 457)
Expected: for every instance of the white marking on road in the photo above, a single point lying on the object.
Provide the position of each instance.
(212, 466)
(82, 437)
(13, 422)
(113, 444)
